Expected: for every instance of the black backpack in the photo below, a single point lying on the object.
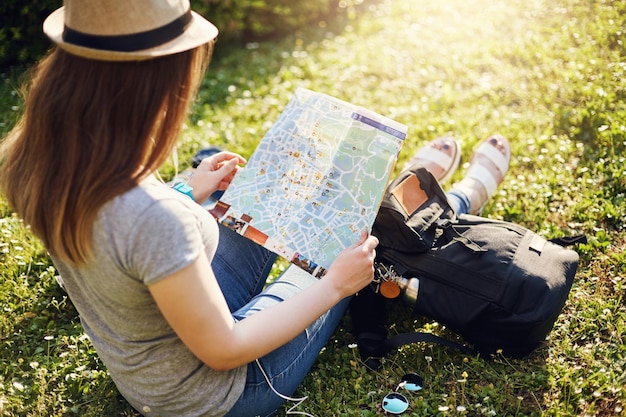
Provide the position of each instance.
(496, 284)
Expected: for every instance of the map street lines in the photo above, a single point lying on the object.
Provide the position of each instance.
(315, 181)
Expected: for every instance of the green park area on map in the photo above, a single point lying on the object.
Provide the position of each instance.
(315, 181)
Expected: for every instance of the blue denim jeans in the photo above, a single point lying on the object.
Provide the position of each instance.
(241, 268)
(459, 202)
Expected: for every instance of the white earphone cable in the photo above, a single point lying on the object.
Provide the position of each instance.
(297, 401)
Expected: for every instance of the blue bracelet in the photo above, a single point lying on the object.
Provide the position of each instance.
(181, 187)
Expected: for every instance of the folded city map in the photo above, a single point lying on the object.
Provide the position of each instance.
(315, 181)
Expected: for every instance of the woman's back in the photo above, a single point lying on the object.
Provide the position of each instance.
(139, 238)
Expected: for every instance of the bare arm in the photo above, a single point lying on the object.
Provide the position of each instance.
(193, 304)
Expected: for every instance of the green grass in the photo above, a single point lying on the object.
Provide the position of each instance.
(549, 75)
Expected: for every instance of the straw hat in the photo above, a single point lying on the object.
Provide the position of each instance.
(127, 30)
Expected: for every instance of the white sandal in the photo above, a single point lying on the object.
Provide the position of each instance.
(432, 154)
(484, 175)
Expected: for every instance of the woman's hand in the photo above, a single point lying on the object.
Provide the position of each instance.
(214, 173)
(353, 269)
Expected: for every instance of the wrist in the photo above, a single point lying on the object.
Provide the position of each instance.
(332, 292)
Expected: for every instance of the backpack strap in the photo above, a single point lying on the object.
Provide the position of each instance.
(382, 348)
(570, 240)
(447, 226)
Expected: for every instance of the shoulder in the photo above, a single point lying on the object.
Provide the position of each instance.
(151, 203)
(152, 223)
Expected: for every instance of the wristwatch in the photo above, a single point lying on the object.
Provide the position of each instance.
(181, 187)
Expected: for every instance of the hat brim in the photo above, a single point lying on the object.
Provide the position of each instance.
(199, 32)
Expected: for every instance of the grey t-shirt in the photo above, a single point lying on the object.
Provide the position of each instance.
(139, 238)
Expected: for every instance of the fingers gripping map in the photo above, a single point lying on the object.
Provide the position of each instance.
(315, 181)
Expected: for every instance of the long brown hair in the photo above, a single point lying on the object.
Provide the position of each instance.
(90, 131)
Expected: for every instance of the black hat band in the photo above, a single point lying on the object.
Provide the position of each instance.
(132, 42)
